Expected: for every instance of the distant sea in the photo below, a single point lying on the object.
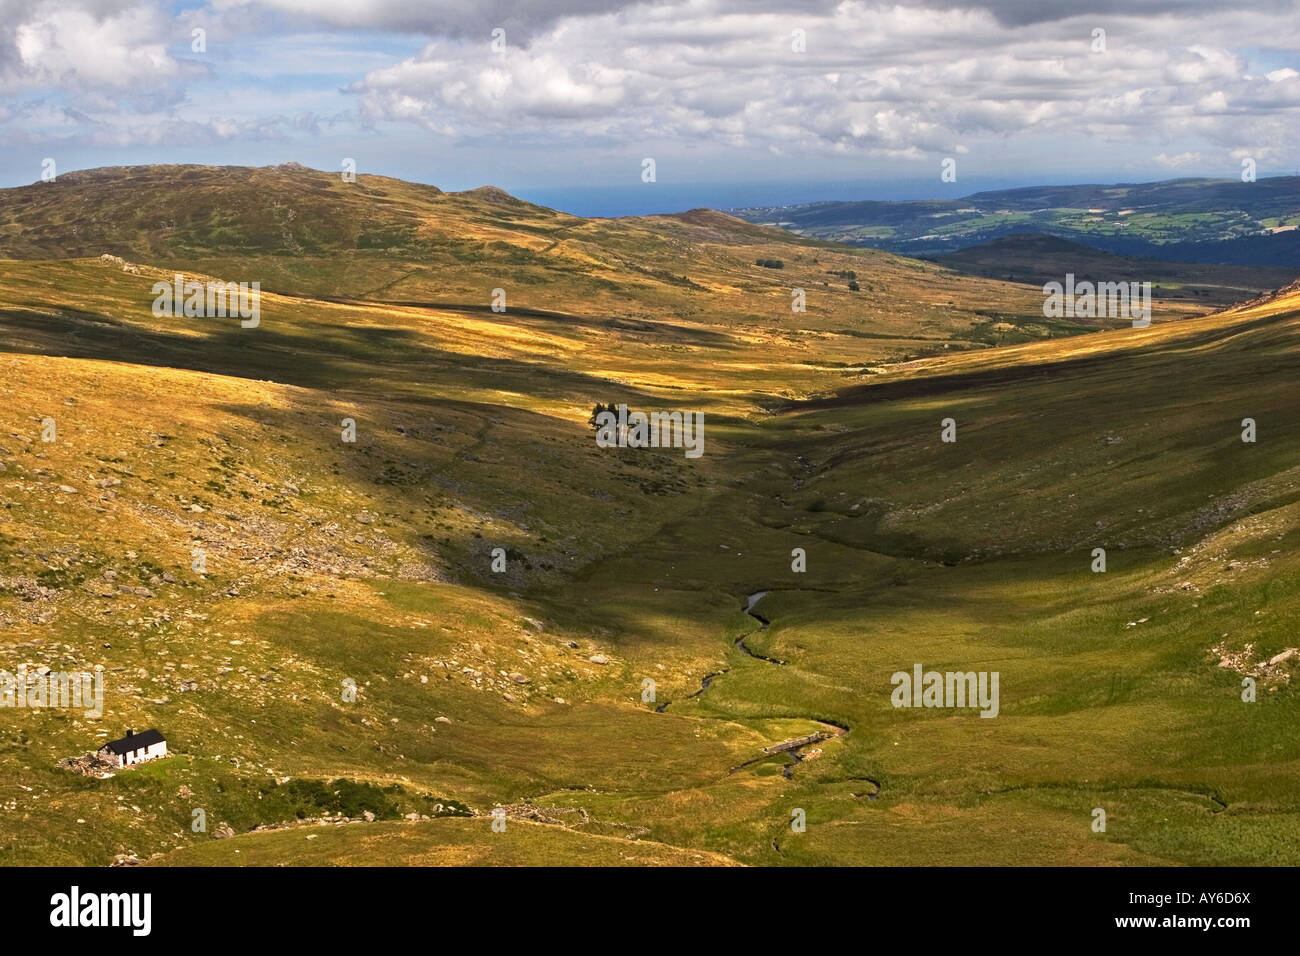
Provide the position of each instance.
(639, 199)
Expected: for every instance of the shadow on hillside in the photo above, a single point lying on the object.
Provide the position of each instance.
(667, 332)
(341, 357)
(938, 384)
(557, 502)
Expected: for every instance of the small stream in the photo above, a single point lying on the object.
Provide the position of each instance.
(790, 748)
(762, 626)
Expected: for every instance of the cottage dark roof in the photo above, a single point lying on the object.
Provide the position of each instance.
(134, 742)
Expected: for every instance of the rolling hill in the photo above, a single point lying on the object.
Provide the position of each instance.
(1185, 220)
(369, 564)
(1036, 259)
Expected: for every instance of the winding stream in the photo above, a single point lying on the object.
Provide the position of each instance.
(794, 747)
(762, 626)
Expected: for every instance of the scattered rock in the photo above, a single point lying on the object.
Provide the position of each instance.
(90, 764)
(111, 260)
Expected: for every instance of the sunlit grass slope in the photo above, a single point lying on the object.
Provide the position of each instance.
(332, 564)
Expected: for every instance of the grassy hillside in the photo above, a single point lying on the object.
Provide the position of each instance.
(303, 232)
(1036, 260)
(442, 843)
(330, 562)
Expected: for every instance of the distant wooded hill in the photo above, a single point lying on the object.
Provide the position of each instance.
(1182, 220)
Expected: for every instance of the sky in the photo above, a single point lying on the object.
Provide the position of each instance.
(749, 102)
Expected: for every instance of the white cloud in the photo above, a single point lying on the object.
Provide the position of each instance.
(80, 46)
(884, 80)
(896, 79)
(1182, 160)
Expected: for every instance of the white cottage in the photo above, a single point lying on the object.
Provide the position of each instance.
(134, 748)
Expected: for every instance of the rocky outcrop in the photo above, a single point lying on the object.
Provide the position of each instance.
(110, 260)
(90, 764)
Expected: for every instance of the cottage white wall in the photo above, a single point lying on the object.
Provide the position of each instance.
(143, 753)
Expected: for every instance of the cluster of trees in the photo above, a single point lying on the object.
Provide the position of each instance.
(770, 263)
(850, 275)
(612, 408)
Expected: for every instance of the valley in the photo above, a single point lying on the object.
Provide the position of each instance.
(825, 539)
